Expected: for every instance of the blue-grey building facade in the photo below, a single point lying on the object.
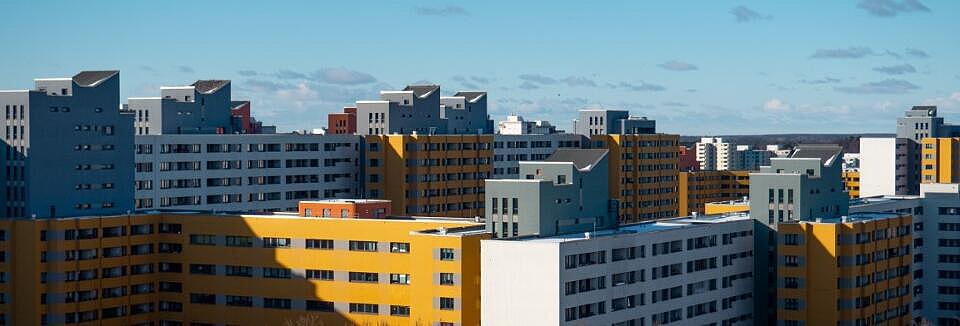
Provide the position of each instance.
(68, 148)
(612, 122)
(565, 193)
(420, 109)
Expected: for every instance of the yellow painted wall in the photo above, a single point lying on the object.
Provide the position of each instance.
(851, 181)
(819, 252)
(393, 154)
(639, 204)
(940, 160)
(422, 263)
(697, 188)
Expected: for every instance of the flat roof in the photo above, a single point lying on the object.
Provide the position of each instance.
(856, 217)
(340, 201)
(644, 227)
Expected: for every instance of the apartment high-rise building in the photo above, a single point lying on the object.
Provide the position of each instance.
(609, 122)
(510, 150)
(750, 159)
(940, 160)
(851, 182)
(803, 187)
(421, 109)
(643, 174)
(438, 175)
(202, 107)
(564, 193)
(68, 148)
(200, 268)
(917, 123)
(515, 125)
(342, 122)
(701, 187)
(685, 271)
(714, 154)
(853, 270)
(936, 257)
(687, 158)
(244, 172)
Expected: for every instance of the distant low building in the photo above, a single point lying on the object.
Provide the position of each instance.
(515, 125)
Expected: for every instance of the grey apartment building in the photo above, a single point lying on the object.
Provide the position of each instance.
(612, 122)
(510, 150)
(566, 192)
(192, 153)
(244, 173)
(421, 109)
(68, 148)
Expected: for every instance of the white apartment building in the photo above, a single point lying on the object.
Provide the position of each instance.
(509, 150)
(936, 248)
(714, 154)
(243, 173)
(515, 125)
(685, 271)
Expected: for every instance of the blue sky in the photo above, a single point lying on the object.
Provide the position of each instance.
(704, 67)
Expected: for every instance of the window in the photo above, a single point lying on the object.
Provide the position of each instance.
(363, 245)
(203, 269)
(791, 282)
(276, 303)
(446, 279)
(399, 310)
(791, 239)
(402, 279)
(399, 247)
(233, 270)
(239, 241)
(203, 239)
(362, 277)
(446, 303)
(446, 254)
(325, 244)
(276, 242)
(239, 301)
(316, 305)
(274, 272)
(364, 308)
(203, 298)
(320, 274)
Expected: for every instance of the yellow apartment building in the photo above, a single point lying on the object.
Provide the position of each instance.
(697, 188)
(849, 271)
(940, 160)
(435, 175)
(851, 182)
(643, 174)
(203, 269)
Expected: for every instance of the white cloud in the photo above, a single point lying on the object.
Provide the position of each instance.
(776, 105)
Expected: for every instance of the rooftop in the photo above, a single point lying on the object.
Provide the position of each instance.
(827, 153)
(93, 78)
(856, 217)
(471, 96)
(209, 86)
(645, 227)
(422, 90)
(341, 201)
(583, 159)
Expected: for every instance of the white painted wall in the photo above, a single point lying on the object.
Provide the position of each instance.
(516, 298)
(877, 166)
